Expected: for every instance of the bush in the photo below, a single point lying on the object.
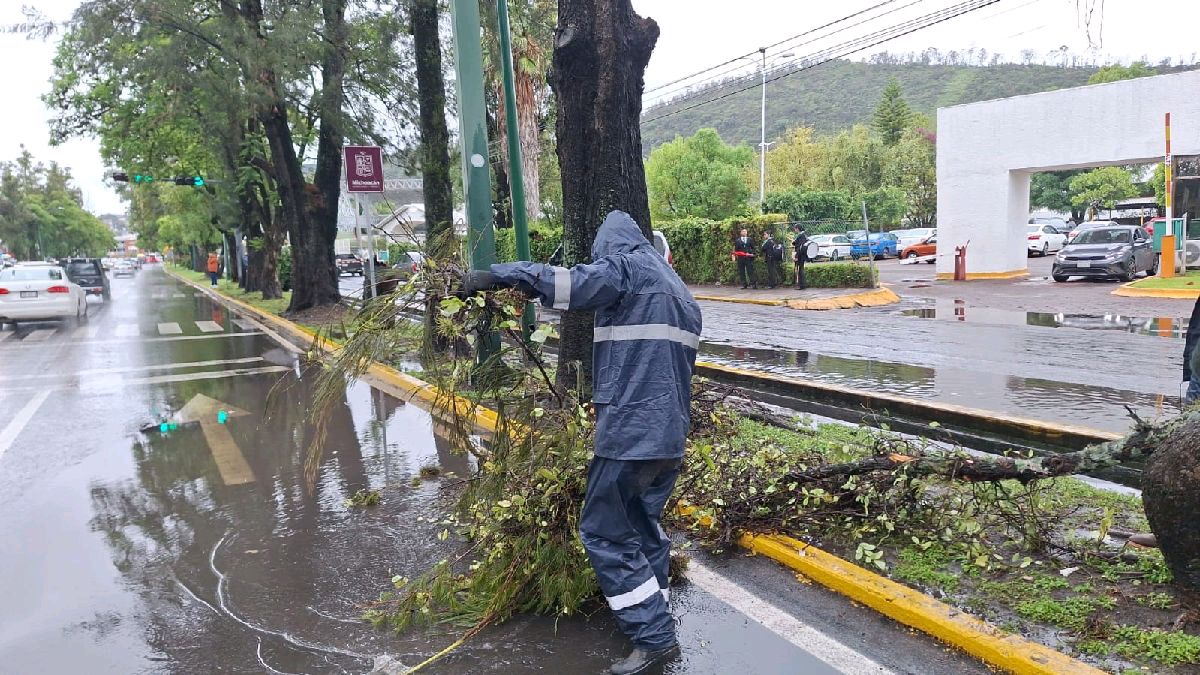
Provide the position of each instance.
(285, 268)
(837, 275)
(543, 239)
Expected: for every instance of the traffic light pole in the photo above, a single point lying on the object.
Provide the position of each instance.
(472, 125)
(516, 177)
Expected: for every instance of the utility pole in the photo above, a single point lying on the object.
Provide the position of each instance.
(472, 126)
(762, 145)
(516, 178)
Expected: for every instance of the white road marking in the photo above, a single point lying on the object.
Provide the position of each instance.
(244, 324)
(178, 295)
(127, 330)
(214, 336)
(39, 335)
(171, 328)
(189, 377)
(134, 369)
(845, 659)
(10, 432)
(89, 331)
(209, 326)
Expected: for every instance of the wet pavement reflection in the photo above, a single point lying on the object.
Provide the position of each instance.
(202, 548)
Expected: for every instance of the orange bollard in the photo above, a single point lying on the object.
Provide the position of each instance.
(1166, 266)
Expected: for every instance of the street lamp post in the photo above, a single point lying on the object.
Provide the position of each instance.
(762, 145)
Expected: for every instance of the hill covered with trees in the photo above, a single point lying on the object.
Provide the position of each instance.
(839, 94)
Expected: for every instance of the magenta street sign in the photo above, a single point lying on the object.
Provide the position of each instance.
(364, 168)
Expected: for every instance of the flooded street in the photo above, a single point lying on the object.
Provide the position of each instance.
(157, 519)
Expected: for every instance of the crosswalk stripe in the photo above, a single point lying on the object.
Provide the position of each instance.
(244, 325)
(15, 424)
(209, 326)
(39, 335)
(171, 328)
(86, 331)
(127, 330)
(178, 295)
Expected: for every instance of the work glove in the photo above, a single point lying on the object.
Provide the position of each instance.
(474, 281)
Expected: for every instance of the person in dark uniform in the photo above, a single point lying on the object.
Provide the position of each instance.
(647, 331)
(743, 252)
(772, 251)
(1191, 358)
(800, 256)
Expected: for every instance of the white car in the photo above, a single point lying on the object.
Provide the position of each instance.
(123, 268)
(906, 238)
(39, 293)
(663, 247)
(832, 246)
(1043, 238)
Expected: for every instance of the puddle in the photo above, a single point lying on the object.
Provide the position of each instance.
(1168, 327)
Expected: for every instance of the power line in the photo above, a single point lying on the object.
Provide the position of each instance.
(663, 97)
(800, 35)
(850, 47)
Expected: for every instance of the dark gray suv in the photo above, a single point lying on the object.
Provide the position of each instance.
(1120, 251)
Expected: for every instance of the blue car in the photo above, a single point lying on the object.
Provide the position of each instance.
(883, 245)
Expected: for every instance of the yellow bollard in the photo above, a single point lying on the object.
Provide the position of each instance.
(1166, 266)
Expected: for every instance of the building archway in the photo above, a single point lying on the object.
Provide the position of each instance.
(987, 151)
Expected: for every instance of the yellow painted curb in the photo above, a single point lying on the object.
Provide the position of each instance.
(1130, 290)
(887, 597)
(744, 301)
(912, 608)
(873, 298)
(981, 276)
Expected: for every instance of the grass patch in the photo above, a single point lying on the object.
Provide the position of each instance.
(1186, 282)
(926, 567)
(1071, 613)
(364, 498)
(230, 289)
(1171, 648)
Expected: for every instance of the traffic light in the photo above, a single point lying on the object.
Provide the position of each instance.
(197, 181)
(142, 178)
(121, 177)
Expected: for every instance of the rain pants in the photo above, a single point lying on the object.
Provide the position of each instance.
(1191, 357)
(647, 331)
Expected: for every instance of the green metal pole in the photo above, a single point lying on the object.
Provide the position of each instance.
(516, 177)
(472, 125)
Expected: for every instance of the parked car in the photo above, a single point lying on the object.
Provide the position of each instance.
(906, 238)
(855, 235)
(663, 247)
(348, 263)
(1089, 225)
(832, 246)
(1119, 251)
(39, 293)
(1150, 224)
(1057, 223)
(882, 245)
(123, 268)
(89, 274)
(407, 264)
(1043, 238)
(107, 263)
(926, 247)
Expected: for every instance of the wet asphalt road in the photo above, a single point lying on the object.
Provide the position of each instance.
(126, 549)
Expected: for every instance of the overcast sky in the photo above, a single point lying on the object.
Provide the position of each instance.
(695, 34)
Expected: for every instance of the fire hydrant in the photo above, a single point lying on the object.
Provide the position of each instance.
(960, 262)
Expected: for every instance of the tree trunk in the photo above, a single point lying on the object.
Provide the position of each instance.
(530, 135)
(435, 137)
(314, 274)
(601, 48)
(1171, 498)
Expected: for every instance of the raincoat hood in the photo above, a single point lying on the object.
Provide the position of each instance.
(618, 234)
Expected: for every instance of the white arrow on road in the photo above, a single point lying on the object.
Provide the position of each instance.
(231, 462)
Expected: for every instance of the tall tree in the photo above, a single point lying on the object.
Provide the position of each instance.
(892, 115)
(601, 48)
(698, 176)
(435, 137)
(1052, 190)
(1102, 188)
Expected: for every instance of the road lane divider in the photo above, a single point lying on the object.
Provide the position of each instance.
(905, 605)
(17, 424)
(170, 328)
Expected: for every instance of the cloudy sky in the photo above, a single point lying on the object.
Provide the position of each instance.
(695, 34)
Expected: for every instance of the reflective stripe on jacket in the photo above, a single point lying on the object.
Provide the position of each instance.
(647, 332)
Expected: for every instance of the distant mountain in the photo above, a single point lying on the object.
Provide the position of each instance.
(841, 93)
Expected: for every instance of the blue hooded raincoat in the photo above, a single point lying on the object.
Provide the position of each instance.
(647, 332)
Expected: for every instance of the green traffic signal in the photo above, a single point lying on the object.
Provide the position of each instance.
(198, 181)
(139, 178)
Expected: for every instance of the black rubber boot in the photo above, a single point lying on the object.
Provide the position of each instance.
(640, 659)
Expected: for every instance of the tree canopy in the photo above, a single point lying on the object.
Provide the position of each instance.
(1102, 188)
(698, 176)
(1118, 72)
(892, 115)
(42, 214)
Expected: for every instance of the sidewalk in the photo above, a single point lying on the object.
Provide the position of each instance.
(809, 299)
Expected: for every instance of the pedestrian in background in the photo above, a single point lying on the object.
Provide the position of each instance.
(800, 256)
(214, 266)
(1191, 358)
(743, 253)
(773, 255)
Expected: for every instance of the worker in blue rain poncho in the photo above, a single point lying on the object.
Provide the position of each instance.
(647, 331)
